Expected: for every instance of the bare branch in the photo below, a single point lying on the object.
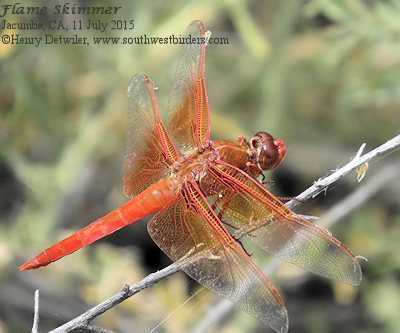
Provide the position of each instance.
(318, 187)
(35, 326)
(321, 184)
(109, 303)
(96, 329)
(357, 198)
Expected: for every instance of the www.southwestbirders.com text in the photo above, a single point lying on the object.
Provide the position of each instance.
(17, 39)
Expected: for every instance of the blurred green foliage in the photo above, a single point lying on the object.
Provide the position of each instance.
(322, 75)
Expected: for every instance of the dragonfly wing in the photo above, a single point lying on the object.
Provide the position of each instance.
(188, 230)
(253, 211)
(150, 149)
(188, 111)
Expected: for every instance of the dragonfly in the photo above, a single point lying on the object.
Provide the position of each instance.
(207, 196)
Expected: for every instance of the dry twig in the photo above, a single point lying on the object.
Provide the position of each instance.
(35, 326)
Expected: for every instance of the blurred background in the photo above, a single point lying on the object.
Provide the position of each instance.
(322, 75)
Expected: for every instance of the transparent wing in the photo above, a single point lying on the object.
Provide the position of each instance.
(248, 207)
(149, 149)
(188, 231)
(188, 111)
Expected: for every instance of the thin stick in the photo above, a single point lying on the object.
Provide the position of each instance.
(321, 184)
(318, 187)
(364, 192)
(35, 326)
(94, 328)
(128, 291)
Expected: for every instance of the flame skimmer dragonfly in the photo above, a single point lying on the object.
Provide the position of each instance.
(200, 188)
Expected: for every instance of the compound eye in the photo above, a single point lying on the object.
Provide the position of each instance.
(259, 138)
(269, 155)
(270, 151)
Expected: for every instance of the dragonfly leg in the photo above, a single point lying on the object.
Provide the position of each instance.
(291, 198)
(244, 249)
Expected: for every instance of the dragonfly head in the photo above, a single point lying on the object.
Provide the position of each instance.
(270, 151)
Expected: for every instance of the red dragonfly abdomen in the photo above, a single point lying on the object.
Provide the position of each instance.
(147, 202)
